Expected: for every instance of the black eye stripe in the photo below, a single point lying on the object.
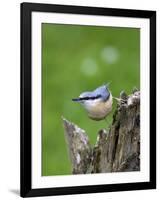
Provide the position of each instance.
(90, 98)
(86, 98)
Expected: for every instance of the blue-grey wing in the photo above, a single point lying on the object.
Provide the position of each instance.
(103, 91)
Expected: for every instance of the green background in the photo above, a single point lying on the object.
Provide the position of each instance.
(76, 59)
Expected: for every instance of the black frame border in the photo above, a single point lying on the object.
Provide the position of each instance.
(26, 92)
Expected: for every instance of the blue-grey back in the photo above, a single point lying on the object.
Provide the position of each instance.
(103, 91)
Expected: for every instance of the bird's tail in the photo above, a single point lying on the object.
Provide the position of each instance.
(107, 84)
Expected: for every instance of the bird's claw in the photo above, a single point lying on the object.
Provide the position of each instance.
(120, 100)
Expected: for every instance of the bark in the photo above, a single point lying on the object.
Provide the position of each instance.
(116, 150)
(80, 151)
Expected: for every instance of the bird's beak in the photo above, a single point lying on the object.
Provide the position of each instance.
(76, 99)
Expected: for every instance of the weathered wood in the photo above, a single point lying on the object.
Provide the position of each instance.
(79, 147)
(117, 149)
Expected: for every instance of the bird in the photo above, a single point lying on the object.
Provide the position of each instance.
(97, 103)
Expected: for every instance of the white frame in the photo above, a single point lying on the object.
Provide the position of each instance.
(39, 181)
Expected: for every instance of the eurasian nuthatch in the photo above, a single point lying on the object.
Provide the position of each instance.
(98, 103)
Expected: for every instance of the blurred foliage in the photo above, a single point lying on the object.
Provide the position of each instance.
(76, 59)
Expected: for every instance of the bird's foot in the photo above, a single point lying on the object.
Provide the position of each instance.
(120, 100)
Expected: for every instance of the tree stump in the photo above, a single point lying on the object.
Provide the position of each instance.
(116, 150)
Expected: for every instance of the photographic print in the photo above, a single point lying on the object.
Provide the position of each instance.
(100, 66)
(87, 95)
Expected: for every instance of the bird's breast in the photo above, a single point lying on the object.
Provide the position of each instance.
(98, 109)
